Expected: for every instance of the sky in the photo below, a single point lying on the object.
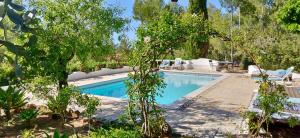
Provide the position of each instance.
(127, 6)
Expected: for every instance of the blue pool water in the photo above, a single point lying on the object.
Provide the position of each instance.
(177, 86)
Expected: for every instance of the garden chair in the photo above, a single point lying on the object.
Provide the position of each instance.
(178, 64)
(165, 64)
(280, 75)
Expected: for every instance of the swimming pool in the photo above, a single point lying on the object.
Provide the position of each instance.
(177, 86)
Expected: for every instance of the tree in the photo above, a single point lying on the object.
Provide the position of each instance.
(155, 40)
(15, 21)
(199, 7)
(196, 31)
(123, 49)
(219, 46)
(147, 10)
(72, 28)
(289, 16)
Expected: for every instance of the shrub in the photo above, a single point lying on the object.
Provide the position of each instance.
(271, 100)
(58, 105)
(27, 133)
(90, 104)
(114, 133)
(56, 134)
(27, 116)
(111, 65)
(11, 98)
(245, 63)
(74, 66)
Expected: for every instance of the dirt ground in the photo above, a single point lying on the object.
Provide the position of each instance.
(42, 124)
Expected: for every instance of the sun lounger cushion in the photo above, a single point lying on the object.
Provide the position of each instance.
(165, 63)
(178, 61)
(295, 107)
(277, 73)
(254, 71)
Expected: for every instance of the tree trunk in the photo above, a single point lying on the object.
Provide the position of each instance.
(63, 82)
(205, 48)
(63, 76)
(200, 7)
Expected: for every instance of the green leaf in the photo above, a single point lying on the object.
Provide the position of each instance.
(56, 134)
(64, 136)
(10, 60)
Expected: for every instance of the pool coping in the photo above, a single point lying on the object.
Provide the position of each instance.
(176, 104)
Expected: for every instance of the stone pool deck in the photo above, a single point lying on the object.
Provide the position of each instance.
(214, 112)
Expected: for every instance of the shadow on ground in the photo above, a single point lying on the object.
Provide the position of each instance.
(202, 118)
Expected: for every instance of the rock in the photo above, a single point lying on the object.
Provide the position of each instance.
(85, 120)
(18, 110)
(77, 113)
(166, 131)
(73, 115)
(95, 123)
(43, 110)
(31, 106)
(55, 116)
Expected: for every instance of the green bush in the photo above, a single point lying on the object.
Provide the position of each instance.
(114, 133)
(89, 104)
(245, 63)
(74, 66)
(11, 98)
(93, 66)
(123, 64)
(56, 134)
(112, 65)
(28, 115)
(58, 104)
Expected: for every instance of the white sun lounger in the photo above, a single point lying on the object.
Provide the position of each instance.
(178, 64)
(165, 64)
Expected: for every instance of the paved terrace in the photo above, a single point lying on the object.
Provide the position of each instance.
(214, 112)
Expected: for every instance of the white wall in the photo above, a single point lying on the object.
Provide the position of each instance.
(104, 71)
(202, 63)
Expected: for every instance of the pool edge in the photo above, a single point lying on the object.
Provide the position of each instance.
(192, 95)
(176, 104)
